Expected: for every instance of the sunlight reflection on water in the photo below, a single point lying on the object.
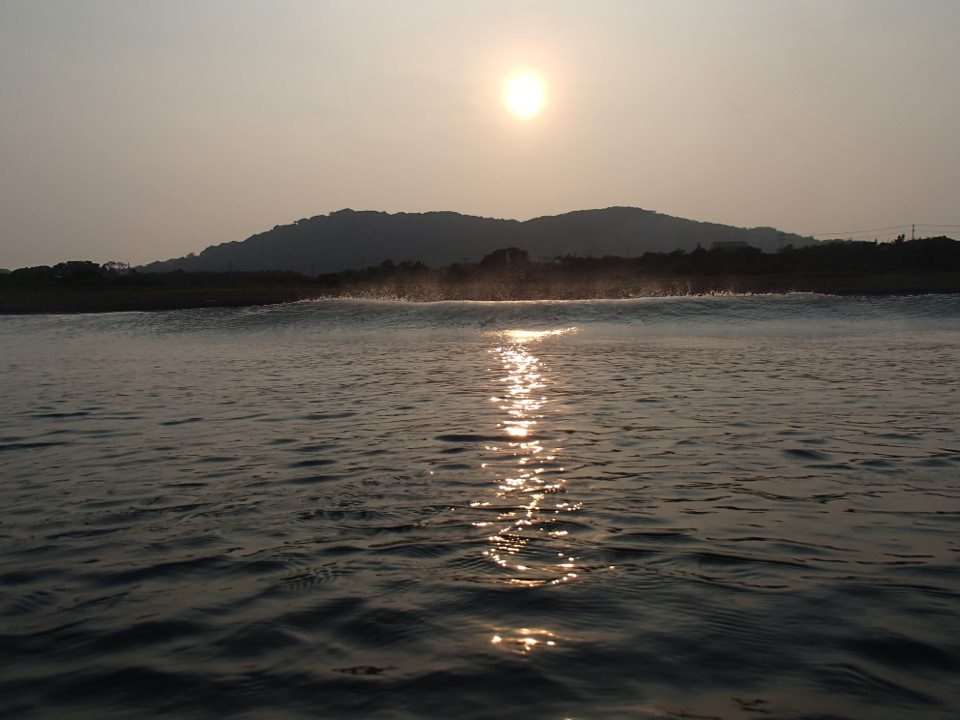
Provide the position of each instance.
(530, 485)
(524, 640)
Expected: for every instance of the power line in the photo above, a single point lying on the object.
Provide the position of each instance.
(848, 233)
(857, 232)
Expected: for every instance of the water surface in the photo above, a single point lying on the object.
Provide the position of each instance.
(730, 507)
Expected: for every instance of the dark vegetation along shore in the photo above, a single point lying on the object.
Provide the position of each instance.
(928, 265)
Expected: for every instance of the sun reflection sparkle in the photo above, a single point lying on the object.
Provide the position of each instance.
(529, 483)
(524, 640)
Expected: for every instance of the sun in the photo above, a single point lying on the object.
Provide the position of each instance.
(524, 94)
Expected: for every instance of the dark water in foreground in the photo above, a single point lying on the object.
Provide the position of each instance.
(682, 508)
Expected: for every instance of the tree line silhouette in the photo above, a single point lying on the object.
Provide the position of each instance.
(922, 265)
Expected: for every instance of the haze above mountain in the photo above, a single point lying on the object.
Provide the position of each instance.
(355, 239)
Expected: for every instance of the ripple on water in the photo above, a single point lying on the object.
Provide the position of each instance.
(714, 507)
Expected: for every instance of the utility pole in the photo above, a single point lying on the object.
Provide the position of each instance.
(913, 232)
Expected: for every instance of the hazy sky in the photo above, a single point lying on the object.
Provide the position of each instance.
(135, 131)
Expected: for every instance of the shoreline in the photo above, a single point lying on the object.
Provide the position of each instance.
(226, 291)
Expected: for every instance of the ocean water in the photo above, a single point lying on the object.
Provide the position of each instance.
(727, 507)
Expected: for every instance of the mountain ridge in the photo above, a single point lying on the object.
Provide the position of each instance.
(352, 239)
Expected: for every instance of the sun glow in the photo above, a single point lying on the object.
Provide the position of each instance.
(524, 94)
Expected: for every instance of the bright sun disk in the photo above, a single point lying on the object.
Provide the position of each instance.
(524, 94)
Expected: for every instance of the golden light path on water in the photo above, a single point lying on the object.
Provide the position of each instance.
(530, 489)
